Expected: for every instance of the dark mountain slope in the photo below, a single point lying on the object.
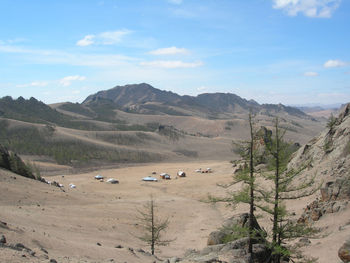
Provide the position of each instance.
(30, 110)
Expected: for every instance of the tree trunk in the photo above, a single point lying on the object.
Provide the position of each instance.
(152, 225)
(251, 203)
(275, 210)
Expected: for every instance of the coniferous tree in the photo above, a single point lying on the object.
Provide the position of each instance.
(285, 187)
(152, 226)
(250, 194)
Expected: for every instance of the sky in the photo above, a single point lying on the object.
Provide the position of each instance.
(273, 51)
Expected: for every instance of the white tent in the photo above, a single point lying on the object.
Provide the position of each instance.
(181, 174)
(112, 181)
(165, 176)
(149, 179)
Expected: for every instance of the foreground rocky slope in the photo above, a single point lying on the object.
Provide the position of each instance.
(328, 158)
(328, 155)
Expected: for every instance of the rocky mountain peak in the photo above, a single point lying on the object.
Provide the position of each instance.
(143, 98)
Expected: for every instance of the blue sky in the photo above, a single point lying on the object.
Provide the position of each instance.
(273, 51)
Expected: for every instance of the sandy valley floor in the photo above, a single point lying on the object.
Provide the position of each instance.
(68, 225)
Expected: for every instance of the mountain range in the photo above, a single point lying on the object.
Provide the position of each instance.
(145, 99)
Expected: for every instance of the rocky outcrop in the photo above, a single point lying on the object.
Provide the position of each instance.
(336, 190)
(344, 251)
(225, 246)
(335, 196)
(327, 158)
(234, 251)
(230, 227)
(329, 151)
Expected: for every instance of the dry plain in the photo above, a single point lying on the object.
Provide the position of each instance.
(69, 224)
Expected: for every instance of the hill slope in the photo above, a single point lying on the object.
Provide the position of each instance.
(328, 158)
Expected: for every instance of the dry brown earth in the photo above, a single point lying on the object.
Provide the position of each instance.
(70, 224)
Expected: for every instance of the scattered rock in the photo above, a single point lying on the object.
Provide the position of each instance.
(44, 250)
(20, 246)
(235, 251)
(344, 251)
(303, 242)
(334, 198)
(99, 244)
(2, 239)
(52, 260)
(118, 246)
(316, 214)
(216, 237)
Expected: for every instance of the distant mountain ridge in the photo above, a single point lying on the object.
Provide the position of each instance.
(143, 98)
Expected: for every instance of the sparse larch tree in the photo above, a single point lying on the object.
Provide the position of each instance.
(284, 188)
(152, 226)
(250, 193)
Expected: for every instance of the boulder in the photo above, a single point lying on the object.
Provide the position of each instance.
(229, 227)
(344, 251)
(2, 239)
(234, 251)
(216, 237)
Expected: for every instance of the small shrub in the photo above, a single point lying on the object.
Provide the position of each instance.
(331, 122)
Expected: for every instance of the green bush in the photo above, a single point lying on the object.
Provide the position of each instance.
(331, 122)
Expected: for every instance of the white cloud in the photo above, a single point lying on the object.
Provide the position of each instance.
(104, 38)
(112, 37)
(176, 2)
(334, 63)
(202, 89)
(67, 81)
(171, 64)
(42, 56)
(86, 41)
(310, 8)
(310, 74)
(33, 84)
(169, 51)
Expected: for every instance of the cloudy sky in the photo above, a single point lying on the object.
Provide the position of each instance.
(288, 51)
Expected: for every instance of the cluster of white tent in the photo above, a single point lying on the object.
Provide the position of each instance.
(149, 178)
(208, 170)
(110, 180)
(164, 176)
